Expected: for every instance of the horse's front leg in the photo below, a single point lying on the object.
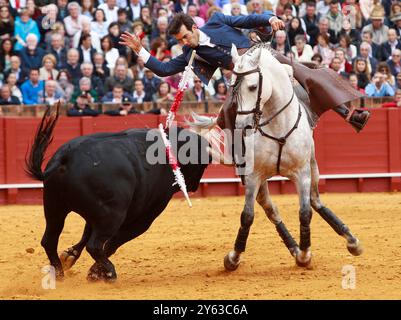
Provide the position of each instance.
(303, 183)
(232, 259)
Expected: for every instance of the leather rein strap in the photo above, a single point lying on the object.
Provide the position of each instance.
(257, 113)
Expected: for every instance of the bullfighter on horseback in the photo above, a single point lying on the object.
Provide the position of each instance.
(212, 42)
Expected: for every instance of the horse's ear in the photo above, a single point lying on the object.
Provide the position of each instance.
(234, 53)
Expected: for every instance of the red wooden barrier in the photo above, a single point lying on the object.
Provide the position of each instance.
(339, 150)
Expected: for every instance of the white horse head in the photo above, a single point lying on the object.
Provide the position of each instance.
(257, 76)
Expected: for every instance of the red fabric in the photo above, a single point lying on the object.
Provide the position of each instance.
(391, 104)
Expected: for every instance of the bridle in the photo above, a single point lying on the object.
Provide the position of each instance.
(257, 114)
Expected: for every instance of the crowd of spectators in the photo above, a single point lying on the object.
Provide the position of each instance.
(69, 50)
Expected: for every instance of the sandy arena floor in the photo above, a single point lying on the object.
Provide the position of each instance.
(181, 256)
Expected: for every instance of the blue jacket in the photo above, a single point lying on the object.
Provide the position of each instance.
(30, 93)
(223, 32)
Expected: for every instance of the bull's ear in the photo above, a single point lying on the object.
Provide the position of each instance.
(234, 53)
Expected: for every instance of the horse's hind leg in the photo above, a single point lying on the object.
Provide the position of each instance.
(70, 256)
(232, 259)
(303, 184)
(353, 244)
(55, 217)
(272, 213)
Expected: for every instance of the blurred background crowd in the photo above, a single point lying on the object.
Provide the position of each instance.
(69, 50)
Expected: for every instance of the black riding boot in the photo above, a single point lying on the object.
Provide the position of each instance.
(357, 119)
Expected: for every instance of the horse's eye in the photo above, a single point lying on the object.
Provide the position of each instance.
(253, 88)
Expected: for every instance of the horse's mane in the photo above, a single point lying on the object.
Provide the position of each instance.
(261, 45)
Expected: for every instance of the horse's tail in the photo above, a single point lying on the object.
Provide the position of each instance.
(207, 128)
(42, 140)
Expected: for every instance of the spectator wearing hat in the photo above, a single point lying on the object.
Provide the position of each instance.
(388, 47)
(396, 20)
(377, 27)
(82, 108)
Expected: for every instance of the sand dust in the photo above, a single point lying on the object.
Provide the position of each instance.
(181, 256)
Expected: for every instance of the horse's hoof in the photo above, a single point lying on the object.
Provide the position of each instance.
(68, 258)
(304, 259)
(231, 263)
(355, 248)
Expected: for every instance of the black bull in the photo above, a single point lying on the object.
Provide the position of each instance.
(107, 180)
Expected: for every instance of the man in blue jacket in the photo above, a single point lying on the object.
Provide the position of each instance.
(213, 43)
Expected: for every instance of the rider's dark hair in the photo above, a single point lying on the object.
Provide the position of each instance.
(179, 20)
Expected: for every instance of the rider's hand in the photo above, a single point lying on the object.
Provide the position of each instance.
(132, 41)
(276, 23)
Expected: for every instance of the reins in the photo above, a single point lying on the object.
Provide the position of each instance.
(257, 114)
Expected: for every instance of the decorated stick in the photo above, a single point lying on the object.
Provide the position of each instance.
(186, 76)
(179, 177)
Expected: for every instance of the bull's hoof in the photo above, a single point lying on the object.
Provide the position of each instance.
(303, 259)
(230, 262)
(68, 258)
(98, 272)
(355, 248)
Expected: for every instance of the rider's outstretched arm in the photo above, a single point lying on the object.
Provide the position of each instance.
(245, 22)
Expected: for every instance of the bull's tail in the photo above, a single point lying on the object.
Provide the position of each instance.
(42, 140)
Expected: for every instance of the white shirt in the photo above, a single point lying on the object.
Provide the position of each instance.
(86, 55)
(139, 98)
(136, 11)
(111, 14)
